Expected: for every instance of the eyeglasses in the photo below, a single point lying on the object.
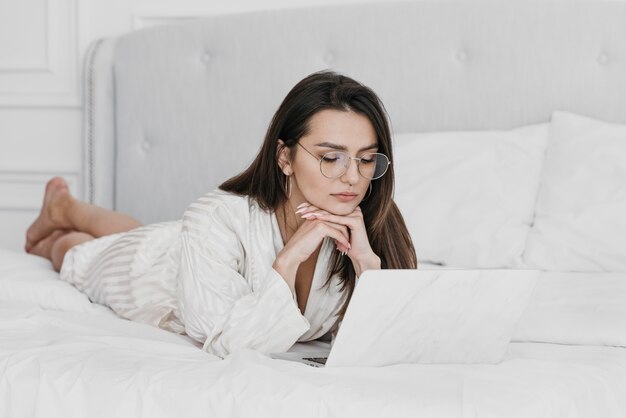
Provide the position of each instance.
(334, 164)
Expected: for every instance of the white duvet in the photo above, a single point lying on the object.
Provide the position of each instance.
(63, 356)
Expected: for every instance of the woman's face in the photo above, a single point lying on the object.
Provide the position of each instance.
(332, 130)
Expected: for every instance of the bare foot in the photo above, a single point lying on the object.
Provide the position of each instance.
(44, 247)
(52, 215)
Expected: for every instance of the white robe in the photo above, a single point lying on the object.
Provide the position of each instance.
(210, 276)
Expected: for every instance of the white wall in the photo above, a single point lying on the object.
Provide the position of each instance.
(42, 45)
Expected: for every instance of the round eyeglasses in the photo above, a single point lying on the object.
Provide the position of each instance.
(334, 164)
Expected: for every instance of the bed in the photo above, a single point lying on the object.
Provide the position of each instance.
(475, 89)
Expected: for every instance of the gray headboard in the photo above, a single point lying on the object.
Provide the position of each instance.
(173, 111)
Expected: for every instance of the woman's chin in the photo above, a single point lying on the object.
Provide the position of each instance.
(341, 209)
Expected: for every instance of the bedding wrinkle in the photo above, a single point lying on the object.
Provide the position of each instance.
(208, 275)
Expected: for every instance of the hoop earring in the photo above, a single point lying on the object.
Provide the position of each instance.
(368, 193)
(288, 187)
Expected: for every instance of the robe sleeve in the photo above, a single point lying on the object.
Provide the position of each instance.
(219, 306)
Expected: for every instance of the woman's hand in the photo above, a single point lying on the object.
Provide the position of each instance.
(309, 236)
(304, 242)
(358, 247)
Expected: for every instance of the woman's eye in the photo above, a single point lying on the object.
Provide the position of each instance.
(330, 157)
(366, 161)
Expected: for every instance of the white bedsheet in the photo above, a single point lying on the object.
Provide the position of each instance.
(69, 362)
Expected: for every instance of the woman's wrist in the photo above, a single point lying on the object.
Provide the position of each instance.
(370, 263)
(287, 269)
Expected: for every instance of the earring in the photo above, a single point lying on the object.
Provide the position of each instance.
(288, 187)
(368, 193)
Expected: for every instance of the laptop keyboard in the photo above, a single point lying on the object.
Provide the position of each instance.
(321, 360)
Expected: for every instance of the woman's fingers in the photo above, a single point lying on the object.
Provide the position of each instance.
(334, 233)
(307, 208)
(350, 221)
(342, 248)
(302, 206)
(310, 212)
(345, 235)
(354, 223)
(341, 228)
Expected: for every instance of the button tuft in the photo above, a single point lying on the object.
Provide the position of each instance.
(603, 59)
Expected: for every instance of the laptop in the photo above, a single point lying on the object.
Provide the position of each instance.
(427, 317)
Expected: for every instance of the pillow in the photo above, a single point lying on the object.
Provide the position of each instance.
(30, 279)
(468, 197)
(579, 222)
(580, 308)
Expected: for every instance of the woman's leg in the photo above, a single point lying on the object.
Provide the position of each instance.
(59, 242)
(61, 211)
(64, 244)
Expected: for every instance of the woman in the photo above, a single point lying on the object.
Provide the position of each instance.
(269, 259)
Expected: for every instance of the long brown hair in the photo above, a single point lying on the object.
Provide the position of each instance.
(264, 181)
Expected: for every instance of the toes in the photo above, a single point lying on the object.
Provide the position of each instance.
(53, 187)
(56, 182)
(31, 239)
(38, 249)
(28, 245)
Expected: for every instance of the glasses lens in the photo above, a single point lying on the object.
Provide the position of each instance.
(373, 166)
(334, 164)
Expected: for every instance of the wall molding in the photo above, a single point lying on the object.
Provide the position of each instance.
(22, 190)
(141, 21)
(56, 83)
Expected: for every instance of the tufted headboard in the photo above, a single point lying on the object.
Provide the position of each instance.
(173, 111)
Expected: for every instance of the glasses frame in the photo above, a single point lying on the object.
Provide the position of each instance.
(358, 159)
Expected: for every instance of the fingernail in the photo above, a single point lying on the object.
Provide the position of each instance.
(301, 205)
(308, 215)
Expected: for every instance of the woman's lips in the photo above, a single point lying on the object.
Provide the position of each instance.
(345, 197)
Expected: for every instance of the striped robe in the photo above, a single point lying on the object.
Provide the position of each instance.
(209, 276)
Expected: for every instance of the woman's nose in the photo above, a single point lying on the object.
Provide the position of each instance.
(352, 173)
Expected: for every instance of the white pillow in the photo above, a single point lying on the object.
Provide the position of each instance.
(468, 197)
(584, 308)
(29, 279)
(580, 223)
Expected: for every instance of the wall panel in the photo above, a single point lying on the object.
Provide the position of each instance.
(38, 54)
